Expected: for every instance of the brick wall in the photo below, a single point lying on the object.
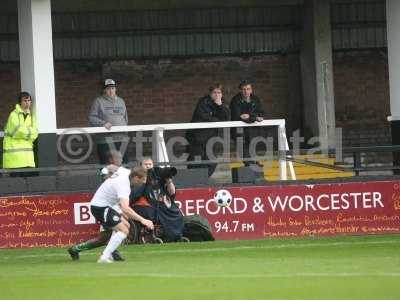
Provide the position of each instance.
(362, 97)
(166, 91)
(76, 85)
(9, 87)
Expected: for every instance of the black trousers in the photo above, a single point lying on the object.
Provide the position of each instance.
(246, 151)
(245, 155)
(104, 149)
(200, 151)
(23, 174)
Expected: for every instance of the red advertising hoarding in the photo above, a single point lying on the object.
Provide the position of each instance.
(300, 210)
(255, 212)
(45, 221)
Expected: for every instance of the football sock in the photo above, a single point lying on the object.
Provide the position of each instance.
(99, 241)
(86, 246)
(116, 240)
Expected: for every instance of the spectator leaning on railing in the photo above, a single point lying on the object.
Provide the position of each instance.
(109, 110)
(247, 107)
(19, 134)
(210, 108)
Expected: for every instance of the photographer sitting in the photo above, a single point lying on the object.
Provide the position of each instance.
(155, 201)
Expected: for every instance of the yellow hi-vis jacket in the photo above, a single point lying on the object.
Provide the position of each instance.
(19, 135)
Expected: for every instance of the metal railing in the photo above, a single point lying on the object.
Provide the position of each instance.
(356, 154)
(286, 157)
(161, 154)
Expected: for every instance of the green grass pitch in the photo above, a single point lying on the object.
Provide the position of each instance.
(321, 268)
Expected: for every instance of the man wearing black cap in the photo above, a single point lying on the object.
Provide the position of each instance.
(246, 107)
(109, 110)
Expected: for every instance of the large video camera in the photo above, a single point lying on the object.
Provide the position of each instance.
(162, 174)
(156, 180)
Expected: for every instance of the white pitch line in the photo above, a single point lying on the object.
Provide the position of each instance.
(221, 249)
(251, 276)
(284, 246)
(229, 276)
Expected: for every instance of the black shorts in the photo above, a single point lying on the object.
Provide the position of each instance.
(106, 216)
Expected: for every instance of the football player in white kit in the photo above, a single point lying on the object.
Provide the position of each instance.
(110, 206)
(115, 164)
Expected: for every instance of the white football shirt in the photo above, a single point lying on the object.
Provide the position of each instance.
(113, 189)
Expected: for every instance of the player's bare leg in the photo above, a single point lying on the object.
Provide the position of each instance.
(125, 221)
(121, 231)
(99, 241)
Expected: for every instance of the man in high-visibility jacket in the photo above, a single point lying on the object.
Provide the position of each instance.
(19, 134)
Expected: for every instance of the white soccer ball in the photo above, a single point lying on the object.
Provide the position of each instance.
(223, 198)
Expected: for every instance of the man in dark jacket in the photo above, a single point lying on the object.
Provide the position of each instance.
(156, 201)
(209, 109)
(246, 107)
